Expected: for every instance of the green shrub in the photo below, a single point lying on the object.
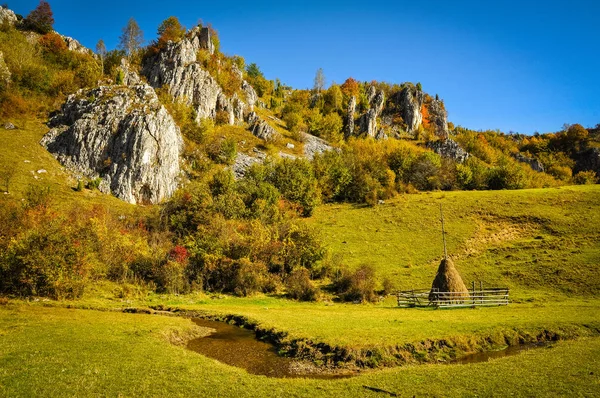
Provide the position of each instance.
(300, 287)
(357, 286)
(585, 178)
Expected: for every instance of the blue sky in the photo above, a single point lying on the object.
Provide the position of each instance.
(520, 66)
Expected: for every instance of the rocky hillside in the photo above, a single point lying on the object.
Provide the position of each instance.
(122, 135)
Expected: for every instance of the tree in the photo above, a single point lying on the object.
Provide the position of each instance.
(170, 30)
(319, 80)
(253, 71)
(132, 38)
(40, 19)
(350, 88)
(101, 51)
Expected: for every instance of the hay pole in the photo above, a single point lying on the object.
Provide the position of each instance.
(443, 233)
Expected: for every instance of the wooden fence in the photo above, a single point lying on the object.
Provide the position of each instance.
(491, 296)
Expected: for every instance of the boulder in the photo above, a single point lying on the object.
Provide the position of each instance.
(314, 145)
(7, 16)
(123, 135)
(449, 149)
(261, 128)
(535, 164)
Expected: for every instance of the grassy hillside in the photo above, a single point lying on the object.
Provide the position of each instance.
(537, 242)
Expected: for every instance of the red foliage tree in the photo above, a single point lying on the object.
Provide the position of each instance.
(41, 19)
(350, 87)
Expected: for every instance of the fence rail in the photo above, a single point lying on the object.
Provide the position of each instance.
(491, 296)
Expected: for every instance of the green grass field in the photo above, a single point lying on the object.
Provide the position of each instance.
(60, 352)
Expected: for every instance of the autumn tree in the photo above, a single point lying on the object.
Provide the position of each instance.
(319, 81)
(350, 88)
(132, 38)
(101, 51)
(40, 19)
(170, 30)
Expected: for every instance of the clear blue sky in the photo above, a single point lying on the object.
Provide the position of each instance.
(520, 66)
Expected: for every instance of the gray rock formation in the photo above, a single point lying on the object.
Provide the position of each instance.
(123, 135)
(449, 149)
(261, 128)
(381, 135)
(438, 117)
(130, 77)
(205, 40)
(410, 101)
(242, 162)
(5, 75)
(75, 46)
(368, 121)
(314, 145)
(7, 16)
(350, 117)
(535, 164)
(177, 67)
(251, 96)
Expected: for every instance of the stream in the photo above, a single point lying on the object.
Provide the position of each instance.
(239, 347)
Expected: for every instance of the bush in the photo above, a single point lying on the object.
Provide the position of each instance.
(585, 178)
(357, 286)
(300, 287)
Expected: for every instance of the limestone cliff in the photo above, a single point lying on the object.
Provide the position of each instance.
(123, 135)
(177, 67)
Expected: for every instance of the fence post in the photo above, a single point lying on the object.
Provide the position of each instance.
(473, 293)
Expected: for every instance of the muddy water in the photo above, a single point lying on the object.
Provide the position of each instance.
(487, 355)
(239, 347)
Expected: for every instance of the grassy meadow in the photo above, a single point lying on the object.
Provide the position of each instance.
(61, 352)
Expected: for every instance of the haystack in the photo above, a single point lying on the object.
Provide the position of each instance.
(448, 279)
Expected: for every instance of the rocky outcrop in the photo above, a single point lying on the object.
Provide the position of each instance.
(535, 164)
(588, 160)
(438, 117)
(314, 146)
(368, 121)
(410, 101)
(243, 162)
(7, 16)
(123, 135)
(261, 128)
(205, 40)
(5, 75)
(350, 117)
(130, 77)
(177, 67)
(449, 149)
(251, 96)
(75, 46)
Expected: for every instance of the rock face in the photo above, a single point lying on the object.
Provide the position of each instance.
(177, 66)
(261, 129)
(314, 145)
(7, 16)
(535, 164)
(448, 148)
(350, 117)
(410, 101)
(438, 117)
(123, 135)
(75, 46)
(368, 121)
(588, 160)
